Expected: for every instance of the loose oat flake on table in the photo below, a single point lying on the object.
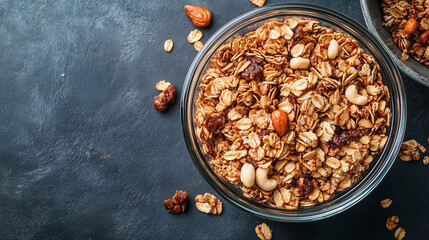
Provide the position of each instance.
(263, 231)
(331, 113)
(400, 233)
(195, 36)
(408, 21)
(258, 3)
(386, 203)
(208, 203)
(168, 45)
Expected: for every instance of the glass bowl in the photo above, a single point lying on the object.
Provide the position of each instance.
(328, 18)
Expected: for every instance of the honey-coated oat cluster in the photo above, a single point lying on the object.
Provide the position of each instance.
(292, 113)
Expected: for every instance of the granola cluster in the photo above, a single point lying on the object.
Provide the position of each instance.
(408, 20)
(330, 91)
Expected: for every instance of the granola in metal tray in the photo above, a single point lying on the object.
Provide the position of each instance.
(408, 21)
(292, 113)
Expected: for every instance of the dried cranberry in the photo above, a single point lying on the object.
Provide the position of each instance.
(297, 34)
(305, 184)
(342, 138)
(160, 102)
(213, 123)
(250, 160)
(178, 203)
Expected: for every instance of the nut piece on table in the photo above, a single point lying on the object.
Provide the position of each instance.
(392, 222)
(258, 3)
(263, 231)
(194, 36)
(400, 233)
(199, 16)
(386, 203)
(168, 45)
(160, 102)
(208, 203)
(178, 203)
(198, 45)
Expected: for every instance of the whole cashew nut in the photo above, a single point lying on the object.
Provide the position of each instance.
(263, 181)
(247, 175)
(354, 97)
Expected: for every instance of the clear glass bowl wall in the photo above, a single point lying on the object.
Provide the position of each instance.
(328, 18)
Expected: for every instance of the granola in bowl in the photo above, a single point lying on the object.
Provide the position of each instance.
(331, 113)
(408, 21)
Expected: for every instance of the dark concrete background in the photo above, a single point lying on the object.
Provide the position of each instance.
(87, 157)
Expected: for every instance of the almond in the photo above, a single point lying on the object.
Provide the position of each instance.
(199, 16)
(280, 122)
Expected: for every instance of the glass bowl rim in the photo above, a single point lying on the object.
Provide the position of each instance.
(346, 201)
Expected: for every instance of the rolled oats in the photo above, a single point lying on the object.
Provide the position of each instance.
(263, 231)
(392, 222)
(258, 3)
(168, 45)
(426, 160)
(329, 141)
(194, 36)
(162, 85)
(386, 203)
(399, 233)
(198, 45)
(208, 203)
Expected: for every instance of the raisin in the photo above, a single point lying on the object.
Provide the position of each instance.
(305, 184)
(253, 71)
(213, 123)
(178, 203)
(160, 102)
(250, 160)
(342, 138)
(297, 34)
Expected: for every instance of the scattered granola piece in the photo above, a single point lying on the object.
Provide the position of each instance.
(392, 222)
(386, 203)
(168, 95)
(162, 85)
(400, 233)
(198, 45)
(428, 140)
(263, 231)
(168, 45)
(208, 203)
(410, 150)
(178, 203)
(194, 36)
(258, 3)
(426, 160)
(63, 75)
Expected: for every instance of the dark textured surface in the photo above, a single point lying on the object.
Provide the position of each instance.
(86, 156)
